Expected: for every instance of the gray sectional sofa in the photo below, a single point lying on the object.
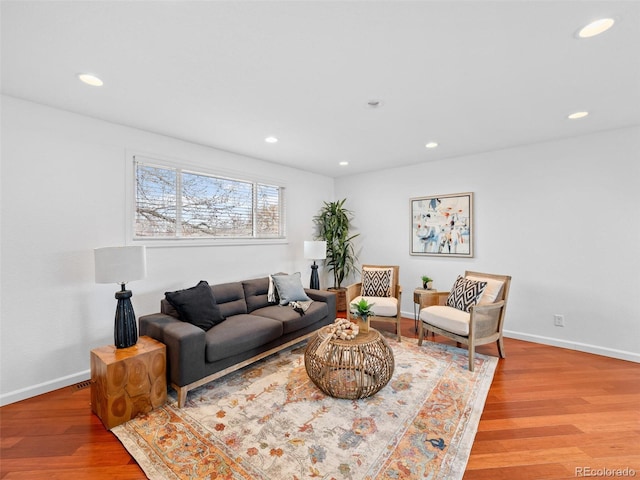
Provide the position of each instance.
(249, 328)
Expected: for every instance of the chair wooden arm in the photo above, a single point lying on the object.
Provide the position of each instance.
(353, 291)
(485, 320)
(487, 308)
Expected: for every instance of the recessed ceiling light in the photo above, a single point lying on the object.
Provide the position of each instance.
(375, 103)
(271, 139)
(576, 115)
(596, 27)
(90, 79)
(343, 164)
(431, 145)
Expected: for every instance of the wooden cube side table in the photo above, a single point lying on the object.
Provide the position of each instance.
(128, 381)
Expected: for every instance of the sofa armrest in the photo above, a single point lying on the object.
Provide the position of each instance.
(324, 296)
(185, 346)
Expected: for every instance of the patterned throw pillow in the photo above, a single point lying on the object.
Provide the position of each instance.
(377, 282)
(465, 293)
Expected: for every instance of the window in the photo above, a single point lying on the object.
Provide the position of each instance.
(175, 203)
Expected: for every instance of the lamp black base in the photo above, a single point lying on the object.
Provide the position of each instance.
(125, 333)
(314, 283)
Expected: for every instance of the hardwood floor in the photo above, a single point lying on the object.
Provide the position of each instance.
(549, 412)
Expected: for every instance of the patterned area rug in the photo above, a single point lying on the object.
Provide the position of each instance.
(268, 421)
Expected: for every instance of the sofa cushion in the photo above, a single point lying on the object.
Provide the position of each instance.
(376, 282)
(290, 288)
(230, 298)
(382, 306)
(196, 305)
(465, 293)
(448, 318)
(238, 334)
(292, 320)
(255, 293)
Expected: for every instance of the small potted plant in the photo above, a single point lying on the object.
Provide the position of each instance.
(427, 283)
(362, 311)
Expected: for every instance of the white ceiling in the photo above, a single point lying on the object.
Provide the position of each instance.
(474, 76)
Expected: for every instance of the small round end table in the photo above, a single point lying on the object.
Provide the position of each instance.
(349, 369)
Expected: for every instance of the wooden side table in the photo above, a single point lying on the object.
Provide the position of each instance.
(128, 381)
(423, 298)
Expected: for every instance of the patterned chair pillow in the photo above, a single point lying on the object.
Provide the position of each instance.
(465, 293)
(377, 282)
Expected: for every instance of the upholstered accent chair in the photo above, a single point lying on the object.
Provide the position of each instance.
(379, 285)
(472, 313)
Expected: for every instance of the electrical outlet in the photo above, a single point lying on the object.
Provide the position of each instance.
(558, 320)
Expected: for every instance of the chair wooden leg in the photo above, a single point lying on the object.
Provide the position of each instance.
(398, 330)
(501, 348)
(472, 354)
(420, 332)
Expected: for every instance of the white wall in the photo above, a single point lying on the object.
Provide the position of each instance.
(63, 194)
(560, 217)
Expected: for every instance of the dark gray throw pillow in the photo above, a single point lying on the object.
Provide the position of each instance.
(196, 305)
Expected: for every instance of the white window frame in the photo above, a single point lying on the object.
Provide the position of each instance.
(163, 162)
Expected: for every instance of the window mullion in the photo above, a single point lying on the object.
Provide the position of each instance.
(179, 203)
(254, 210)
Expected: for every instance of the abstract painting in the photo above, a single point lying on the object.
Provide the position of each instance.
(441, 225)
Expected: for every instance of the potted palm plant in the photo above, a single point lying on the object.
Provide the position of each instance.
(333, 224)
(427, 283)
(362, 311)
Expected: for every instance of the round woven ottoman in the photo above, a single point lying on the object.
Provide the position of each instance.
(350, 369)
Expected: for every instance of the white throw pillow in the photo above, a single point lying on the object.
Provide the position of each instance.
(491, 291)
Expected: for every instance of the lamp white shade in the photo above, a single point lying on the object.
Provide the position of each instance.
(120, 264)
(315, 250)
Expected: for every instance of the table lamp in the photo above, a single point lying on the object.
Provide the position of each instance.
(315, 250)
(121, 265)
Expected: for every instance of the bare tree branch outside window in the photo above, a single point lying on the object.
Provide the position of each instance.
(207, 207)
(156, 202)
